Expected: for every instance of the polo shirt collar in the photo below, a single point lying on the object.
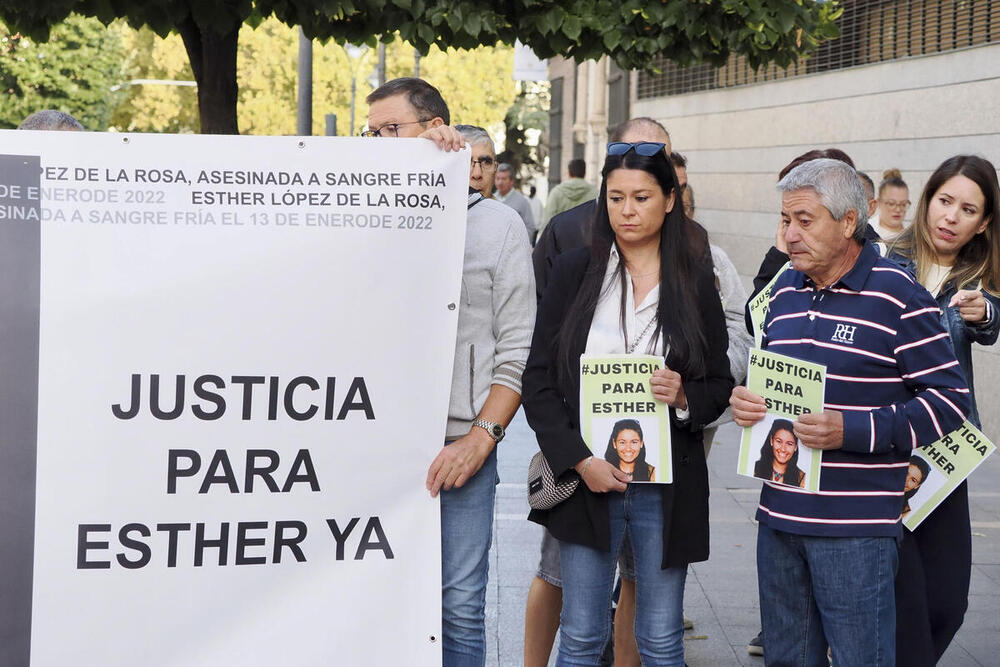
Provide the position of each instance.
(855, 278)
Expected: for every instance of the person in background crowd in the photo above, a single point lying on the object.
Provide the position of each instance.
(952, 249)
(49, 119)
(508, 194)
(494, 330)
(484, 158)
(571, 192)
(893, 201)
(647, 264)
(730, 286)
(680, 166)
(889, 372)
(536, 205)
(689, 205)
(869, 186)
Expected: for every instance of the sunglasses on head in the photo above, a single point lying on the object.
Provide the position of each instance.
(643, 148)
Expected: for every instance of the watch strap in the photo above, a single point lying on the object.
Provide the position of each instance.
(495, 430)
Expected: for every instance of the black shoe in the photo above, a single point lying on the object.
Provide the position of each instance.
(756, 645)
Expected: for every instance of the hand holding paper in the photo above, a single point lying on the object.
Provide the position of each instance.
(971, 305)
(748, 407)
(667, 387)
(447, 138)
(602, 477)
(824, 430)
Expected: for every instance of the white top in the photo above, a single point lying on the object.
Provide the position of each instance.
(936, 275)
(606, 335)
(884, 234)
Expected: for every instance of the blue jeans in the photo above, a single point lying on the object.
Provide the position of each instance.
(466, 533)
(589, 579)
(827, 591)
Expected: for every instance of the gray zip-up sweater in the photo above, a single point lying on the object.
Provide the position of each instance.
(497, 310)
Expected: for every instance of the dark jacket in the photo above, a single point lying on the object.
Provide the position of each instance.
(552, 407)
(963, 334)
(566, 231)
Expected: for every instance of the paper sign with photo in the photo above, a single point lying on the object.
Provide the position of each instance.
(770, 449)
(936, 469)
(620, 420)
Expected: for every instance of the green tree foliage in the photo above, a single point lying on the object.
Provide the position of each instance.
(156, 107)
(529, 113)
(633, 32)
(477, 84)
(74, 72)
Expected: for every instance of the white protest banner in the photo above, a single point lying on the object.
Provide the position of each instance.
(242, 349)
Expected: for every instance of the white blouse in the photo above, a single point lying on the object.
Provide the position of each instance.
(606, 335)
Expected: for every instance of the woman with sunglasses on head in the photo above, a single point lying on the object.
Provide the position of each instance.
(953, 249)
(645, 286)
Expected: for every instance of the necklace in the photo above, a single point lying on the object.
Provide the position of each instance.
(643, 275)
(629, 349)
(777, 476)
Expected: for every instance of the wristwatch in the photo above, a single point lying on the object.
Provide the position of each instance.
(494, 429)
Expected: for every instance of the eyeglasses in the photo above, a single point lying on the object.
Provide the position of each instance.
(390, 129)
(897, 204)
(643, 148)
(485, 163)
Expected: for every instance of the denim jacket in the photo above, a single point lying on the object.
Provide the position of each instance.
(963, 334)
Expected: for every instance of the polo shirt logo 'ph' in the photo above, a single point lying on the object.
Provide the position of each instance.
(844, 333)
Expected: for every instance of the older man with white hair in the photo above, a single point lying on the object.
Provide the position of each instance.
(484, 159)
(826, 561)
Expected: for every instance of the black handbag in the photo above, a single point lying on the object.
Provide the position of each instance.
(544, 492)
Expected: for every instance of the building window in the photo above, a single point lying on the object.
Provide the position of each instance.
(618, 96)
(871, 31)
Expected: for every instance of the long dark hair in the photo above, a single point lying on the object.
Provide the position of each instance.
(767, 450)
(641, 471)
(684, 253)
(979, 259)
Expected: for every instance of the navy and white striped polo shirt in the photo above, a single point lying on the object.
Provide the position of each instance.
(891, 371)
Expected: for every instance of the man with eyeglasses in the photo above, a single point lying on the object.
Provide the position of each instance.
(483, 170)
(495, 320)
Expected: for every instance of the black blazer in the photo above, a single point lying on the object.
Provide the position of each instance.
(553, 411)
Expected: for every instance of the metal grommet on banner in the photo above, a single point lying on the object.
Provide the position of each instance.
(125, 140)
(451, 306)
(302, 144)
(433, 638)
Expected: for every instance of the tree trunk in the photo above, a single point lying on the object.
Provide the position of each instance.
(213, 61)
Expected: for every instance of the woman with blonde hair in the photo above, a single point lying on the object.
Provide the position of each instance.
(892, 204)
(953, 249)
